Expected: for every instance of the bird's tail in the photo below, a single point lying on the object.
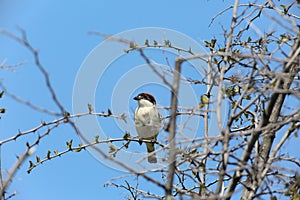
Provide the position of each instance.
(151, 155)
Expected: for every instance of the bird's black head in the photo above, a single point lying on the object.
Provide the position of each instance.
(145, 96)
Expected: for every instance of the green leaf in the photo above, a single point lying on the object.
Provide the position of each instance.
(48, 156)
(69, 144)
(247, 97)
(249, 39)
(213, 43)
(155, 42)
(260, 41)
(147, 42)
(56, 152)
(91, 109)
(126, 135)
(132, 45)
(127, 144)
(236, 51)
(167, 43)
(193, 151)
(283, 38)
(284, 9)
(215, 61)
(206, 43)
(31, 164)
(273, 84)
(78, 149)
(194, 172)
(201, 164)
(38, 159)
(232, 90)
(67, 114)
(96, 140)
(113, 149)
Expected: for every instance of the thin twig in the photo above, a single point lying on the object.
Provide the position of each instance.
(219, 101)
(13, 171)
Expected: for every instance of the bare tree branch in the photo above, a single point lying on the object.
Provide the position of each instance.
(172, 129)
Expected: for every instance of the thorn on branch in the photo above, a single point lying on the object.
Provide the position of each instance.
(109, 113)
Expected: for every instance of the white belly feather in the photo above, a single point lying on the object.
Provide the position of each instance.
(147, 122)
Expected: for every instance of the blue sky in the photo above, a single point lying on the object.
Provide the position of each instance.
(59, 30)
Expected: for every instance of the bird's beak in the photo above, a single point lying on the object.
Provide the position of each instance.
(136, 98)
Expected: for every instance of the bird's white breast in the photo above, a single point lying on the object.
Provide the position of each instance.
(147, 122)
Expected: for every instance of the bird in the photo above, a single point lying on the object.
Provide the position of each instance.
(147, 122)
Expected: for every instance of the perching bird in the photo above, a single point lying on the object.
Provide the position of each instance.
(147, 122)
